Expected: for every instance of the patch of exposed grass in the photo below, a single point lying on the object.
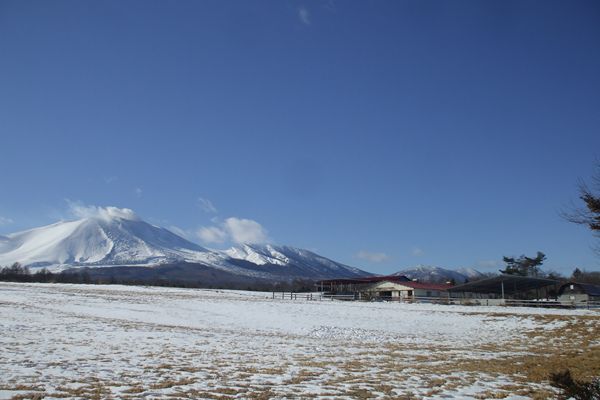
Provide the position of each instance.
(29, 396)
(169, 383)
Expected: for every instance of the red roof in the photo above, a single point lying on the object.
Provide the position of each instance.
(400, 279)
(426, 286)
(368, 279)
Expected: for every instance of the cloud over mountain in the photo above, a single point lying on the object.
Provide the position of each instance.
(80, 210)
(236, 230)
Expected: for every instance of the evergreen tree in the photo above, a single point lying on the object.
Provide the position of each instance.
(523, 266)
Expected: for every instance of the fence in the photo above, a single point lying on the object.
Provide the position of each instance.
(436, 300)
(297, 296)
(542, 303)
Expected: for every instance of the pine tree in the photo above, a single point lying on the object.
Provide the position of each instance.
(523, 266)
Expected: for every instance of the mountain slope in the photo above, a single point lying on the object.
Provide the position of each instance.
(113, 237)
(301, 260)
(436, 274)
(4, 242)
(96, 241)
(470, 273)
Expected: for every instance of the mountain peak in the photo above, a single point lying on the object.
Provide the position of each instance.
(110, 236)
(102, 236)
(311, 264)
(259, 254)
(437, 274)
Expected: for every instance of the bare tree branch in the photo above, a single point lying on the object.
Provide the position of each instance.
(589, 213)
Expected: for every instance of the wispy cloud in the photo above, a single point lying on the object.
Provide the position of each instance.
(138, 191)
(207, 206)
(245, 230)
(237, 230)
(489, 263)
(304, 15)
(329, 5)
(212, 235)
(417, 252)
(375, 257)
(110, 179)
(5, 221)
(80, 210)
(180, 231)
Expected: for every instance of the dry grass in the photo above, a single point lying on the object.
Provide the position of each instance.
(169, 383)
(575, 346)
(368, 369)
(29, 396)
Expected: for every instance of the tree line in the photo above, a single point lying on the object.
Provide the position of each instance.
(586, 214)
(531, 266)
(19, 273)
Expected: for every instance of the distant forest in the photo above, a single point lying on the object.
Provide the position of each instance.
(20, 273)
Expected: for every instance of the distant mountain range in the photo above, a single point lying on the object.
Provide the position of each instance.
(426, 273)
(116, 242)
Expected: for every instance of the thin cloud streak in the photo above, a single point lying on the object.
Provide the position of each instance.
(207, 206)
(304, 15)
(417, 252)
(374, 257)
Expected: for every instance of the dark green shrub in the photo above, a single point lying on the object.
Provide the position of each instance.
(576, 389)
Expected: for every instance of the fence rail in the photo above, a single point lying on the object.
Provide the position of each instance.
(545, 303)
(297, 296)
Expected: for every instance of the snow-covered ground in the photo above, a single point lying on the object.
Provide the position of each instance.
(132, 342)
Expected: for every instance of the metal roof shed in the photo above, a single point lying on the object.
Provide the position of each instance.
(505, 285)
(587, 288)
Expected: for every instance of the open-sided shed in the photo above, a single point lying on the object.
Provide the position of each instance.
(355, 285)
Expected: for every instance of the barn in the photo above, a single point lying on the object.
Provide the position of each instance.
(579, 293)
(404, 290)
(392, 287)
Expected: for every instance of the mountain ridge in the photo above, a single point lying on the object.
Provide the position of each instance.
(433, 274)
(118, 238)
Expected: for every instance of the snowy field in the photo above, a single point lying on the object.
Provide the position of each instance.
(87, 341)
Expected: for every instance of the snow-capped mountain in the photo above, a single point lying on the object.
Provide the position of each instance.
(427, 273)
(306, 260)
(114, 237)
(470, 273)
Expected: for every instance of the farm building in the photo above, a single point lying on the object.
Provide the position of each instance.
(404, 290)
(577, 293)
(393, 287)
(503, 287)
(354, 285)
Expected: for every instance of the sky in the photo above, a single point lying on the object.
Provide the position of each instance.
(381, 134)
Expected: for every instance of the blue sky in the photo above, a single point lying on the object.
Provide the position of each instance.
(382, 134)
